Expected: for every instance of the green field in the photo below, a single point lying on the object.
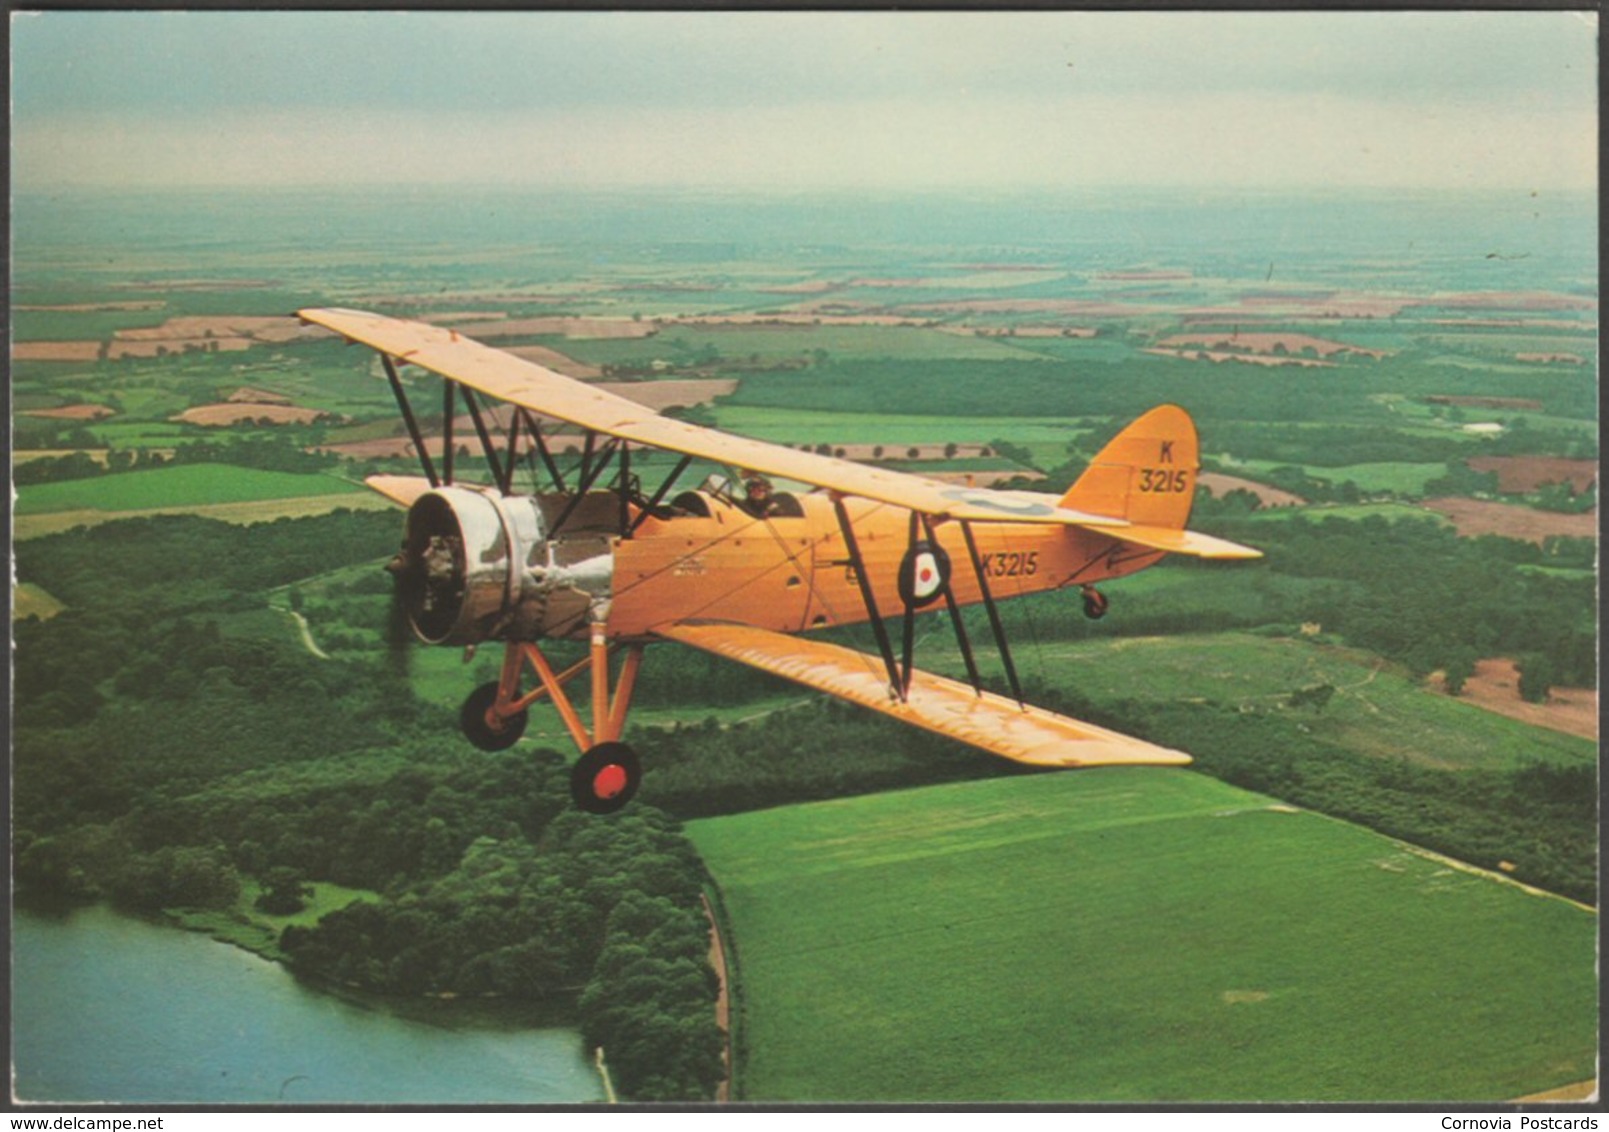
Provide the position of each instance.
(182, 485)
(1391, 512)
(30, 600)
(1134, 936)
(772, 344)
(1375, 710)
(1398, 476)
(1045, 437)
(245, 925)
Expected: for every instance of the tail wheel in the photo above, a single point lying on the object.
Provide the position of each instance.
(605, 778)
(481, 728)
(1095, 604)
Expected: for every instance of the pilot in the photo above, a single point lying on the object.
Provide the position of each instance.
(757, 498)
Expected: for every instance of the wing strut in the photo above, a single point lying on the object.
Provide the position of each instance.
(994, 613)
(961, 637)
(625, 490)
(535, 430)
(506, 484)
(409, 420)
(909, 641)
(447, 430)
(486, 444)
(590, 471)
(659, 496)
(896, 682)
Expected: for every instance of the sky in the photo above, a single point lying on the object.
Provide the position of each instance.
(810, 100)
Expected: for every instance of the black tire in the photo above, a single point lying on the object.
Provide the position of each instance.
(605, 778)
(1095, 604)
(479, 730)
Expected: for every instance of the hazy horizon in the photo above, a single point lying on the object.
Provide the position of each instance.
(816, 101)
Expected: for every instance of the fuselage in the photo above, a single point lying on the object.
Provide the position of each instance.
(793, 572)
(479, 566)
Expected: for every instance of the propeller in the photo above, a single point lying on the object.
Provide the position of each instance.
(399, 629)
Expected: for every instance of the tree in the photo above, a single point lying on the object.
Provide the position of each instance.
(285, 891)
(1537, 676)
(1460, 667)
(1316, 697)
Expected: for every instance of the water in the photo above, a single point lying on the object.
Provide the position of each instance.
(109, 1008)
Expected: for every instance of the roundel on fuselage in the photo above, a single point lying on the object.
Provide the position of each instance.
(923, 574)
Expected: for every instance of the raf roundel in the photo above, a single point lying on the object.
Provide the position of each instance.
(998, 501)
(924, 574)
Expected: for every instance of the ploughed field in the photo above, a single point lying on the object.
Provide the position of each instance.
(1137, 935)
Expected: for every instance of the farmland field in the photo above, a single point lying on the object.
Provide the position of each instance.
(1106, 937)
(241, 514)
(1139, 936)
(1480, 517)
(177, 486)
(1045, 437)
(1395, 476)
(30, 600)
(1391, 512)
(1375, 709)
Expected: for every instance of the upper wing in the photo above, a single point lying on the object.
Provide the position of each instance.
(501, 375)
(994, 723)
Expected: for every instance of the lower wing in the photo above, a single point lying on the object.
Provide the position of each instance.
(996, 724)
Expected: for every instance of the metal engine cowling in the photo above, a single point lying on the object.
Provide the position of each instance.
(476, 566)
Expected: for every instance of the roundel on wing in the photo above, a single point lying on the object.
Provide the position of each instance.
(923, 574)
(1004, 502)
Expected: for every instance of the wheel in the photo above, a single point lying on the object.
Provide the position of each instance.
(1095, 604)
(475, 720)
(605, 778)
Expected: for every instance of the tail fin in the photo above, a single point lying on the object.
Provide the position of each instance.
(1146, 474)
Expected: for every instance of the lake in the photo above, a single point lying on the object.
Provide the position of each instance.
(106, 1007)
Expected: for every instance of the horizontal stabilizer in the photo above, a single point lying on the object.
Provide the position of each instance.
(1176, 541)
(993, 723)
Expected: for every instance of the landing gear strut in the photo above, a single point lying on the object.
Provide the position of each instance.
(608, 773)
(1095, 603)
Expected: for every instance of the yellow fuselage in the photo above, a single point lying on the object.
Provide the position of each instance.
(792, 573)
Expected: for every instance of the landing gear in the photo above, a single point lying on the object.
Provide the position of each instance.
(1095, 603)
(605, 778)
(489, 731)
(608, 773)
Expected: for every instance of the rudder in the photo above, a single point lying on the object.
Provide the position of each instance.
(1145, 474)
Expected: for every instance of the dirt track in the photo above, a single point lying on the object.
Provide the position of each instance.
(723, 1002)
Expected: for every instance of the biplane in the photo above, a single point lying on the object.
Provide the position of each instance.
(734, 568)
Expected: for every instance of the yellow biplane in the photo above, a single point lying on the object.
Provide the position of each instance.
(742, 571)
